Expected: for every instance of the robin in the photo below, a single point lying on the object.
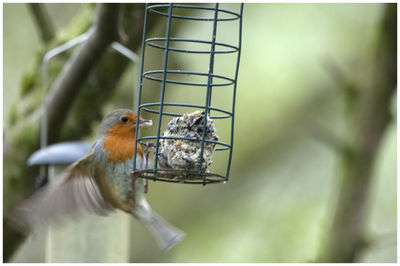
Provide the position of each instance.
(100, 182)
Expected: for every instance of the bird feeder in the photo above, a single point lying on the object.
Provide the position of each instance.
(216, 76)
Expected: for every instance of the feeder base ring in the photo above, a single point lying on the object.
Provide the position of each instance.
(180, 176)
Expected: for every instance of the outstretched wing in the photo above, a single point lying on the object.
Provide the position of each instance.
(73, 192)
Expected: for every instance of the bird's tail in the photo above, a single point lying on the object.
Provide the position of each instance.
(166, 234)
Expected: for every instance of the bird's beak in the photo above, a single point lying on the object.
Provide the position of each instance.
(145, 123)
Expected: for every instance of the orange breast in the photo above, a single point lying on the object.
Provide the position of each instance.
(119, 143)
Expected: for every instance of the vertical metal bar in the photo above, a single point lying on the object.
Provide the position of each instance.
(43, 120)
(234, 93)
(140, 85)
(164, 77)
(209, 84)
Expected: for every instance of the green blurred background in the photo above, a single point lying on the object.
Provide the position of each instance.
(279, 202)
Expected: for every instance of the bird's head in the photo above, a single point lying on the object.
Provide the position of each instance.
(121, 122)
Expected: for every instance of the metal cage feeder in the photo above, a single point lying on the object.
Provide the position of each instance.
(186, 46)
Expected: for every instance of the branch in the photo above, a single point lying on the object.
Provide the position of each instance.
(380, 241)
(345, 82)
(369, 121)
(328, 137)
(76, 71)
(43, 21)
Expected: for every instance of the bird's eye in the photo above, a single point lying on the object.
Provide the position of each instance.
(124, 119)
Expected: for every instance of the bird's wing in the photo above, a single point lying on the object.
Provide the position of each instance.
(73, 192)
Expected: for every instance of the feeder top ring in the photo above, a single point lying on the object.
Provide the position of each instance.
(231, 15)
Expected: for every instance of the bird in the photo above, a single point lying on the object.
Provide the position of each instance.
(101, 182)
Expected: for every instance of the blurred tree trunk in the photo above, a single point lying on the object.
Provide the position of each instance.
(79, 99)
(43, 21)
(369, 115)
